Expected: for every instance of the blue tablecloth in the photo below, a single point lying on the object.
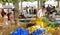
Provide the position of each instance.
(20, 31)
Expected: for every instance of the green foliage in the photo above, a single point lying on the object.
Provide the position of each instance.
(0, 1)
(29, 0)
(25, 0)
(44, 1)
(10, 1)
(4, 0)
(7, 1)
(45, 20)
(52, 25)
(13, 1)
(19, 0)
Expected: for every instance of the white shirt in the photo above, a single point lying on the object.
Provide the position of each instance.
(24, 12)
(40, 13)
(28, 10)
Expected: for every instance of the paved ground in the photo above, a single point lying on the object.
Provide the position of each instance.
(9, 30)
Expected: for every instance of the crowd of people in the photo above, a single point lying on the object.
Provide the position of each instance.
(30, 10)
(48, 12)
(50, 9)
(33, 10)
(7, 19)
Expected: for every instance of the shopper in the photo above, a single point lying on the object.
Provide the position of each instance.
(41, 12)
(35, 10)
(47, 15)
(5, 23)
(48, 9)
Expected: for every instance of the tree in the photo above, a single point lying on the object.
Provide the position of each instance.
(25, 0)
(1, 1)
(4, 1)
(16, 4)
(58, 3)
(43, 1)
(38, 4)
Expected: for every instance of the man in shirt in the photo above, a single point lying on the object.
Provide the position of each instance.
(41, 12)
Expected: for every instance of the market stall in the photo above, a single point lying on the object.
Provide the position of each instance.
(41, 26)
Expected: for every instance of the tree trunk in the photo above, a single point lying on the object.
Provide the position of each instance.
(58, 3)
(16, 10)
(41, 3)
(38, 4)
(21, 5)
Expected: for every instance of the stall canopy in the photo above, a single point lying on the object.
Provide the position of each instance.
(24, 4)
(53, 3)
(8, 6)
